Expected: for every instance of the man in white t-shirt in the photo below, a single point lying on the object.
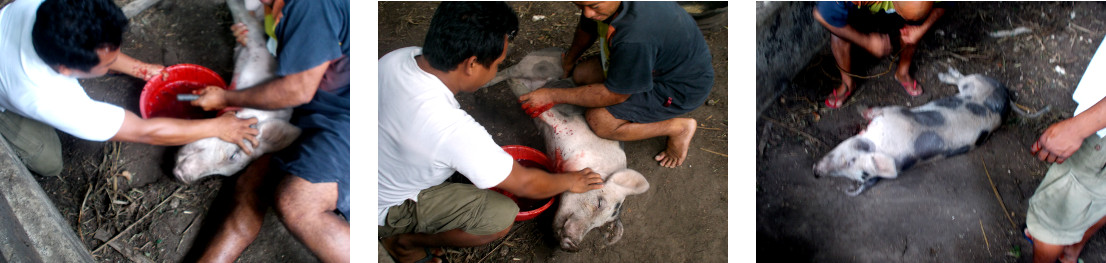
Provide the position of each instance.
(425, 137)
(41, 62)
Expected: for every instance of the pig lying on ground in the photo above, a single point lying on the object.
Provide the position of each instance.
(896, 137)
(572, 146)
(253, 65)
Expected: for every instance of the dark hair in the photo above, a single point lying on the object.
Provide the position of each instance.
(68, 32)
(460, 30)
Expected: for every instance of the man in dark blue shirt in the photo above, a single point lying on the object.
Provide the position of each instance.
(654, 65)
(313, 76)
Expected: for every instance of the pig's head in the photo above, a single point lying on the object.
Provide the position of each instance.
(856, 158)
(211, 156)
(581, 212)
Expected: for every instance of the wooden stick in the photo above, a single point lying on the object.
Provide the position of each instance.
(80, 213)
(714, 152)
(125, 230)
(997, 196)
(985, 236)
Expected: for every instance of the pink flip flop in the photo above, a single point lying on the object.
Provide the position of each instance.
(834, 96)
(915, 88)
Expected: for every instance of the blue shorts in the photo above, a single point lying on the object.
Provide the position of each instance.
(653, 106)
(321, 153)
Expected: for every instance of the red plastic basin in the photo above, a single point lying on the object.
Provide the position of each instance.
(526, 156)
(159, 97)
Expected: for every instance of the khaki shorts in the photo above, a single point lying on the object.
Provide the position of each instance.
(1072, 196)
(451, 206)
(35, 143)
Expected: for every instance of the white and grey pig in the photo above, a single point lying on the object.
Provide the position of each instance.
(897, 138)
(572, 146)
(253, 65)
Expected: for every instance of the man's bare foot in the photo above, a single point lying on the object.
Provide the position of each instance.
(407, 254)
(678, 144)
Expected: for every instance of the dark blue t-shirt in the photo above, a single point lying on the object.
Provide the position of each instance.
(657, 51)
(314, 32)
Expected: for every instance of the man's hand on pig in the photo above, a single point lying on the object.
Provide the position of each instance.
(585, 180)
(537, 102)
(211, 98)
(235, 130)
(240, 31)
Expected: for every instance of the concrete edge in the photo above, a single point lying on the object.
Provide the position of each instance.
(50, 235)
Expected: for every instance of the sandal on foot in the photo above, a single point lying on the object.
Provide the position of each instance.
(917, 91)
(833, 96)
(430, 256)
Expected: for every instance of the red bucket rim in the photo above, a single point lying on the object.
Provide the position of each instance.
(156, 83)
(520, 152)
(526, 215)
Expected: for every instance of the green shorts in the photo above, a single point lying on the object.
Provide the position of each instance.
(34, 142)
(1071, 197)
(451, 206)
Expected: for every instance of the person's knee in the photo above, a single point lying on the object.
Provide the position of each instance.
(297, 199)
(46, 163)
(597, 119)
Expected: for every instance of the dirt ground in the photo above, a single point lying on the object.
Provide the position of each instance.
(682, 218)
(967, 208)
(151, 217)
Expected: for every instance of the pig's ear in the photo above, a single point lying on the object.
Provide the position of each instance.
(632, 181)
(884, 166)
(277, 134)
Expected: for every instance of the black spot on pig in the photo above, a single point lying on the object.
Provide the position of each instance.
(997, 101)
(960, 150)
(617, 209)
(976, 109)
(863, 145)
(948, 102)
(929, 118)
(928, 144)
(982, 137)
(906, 162)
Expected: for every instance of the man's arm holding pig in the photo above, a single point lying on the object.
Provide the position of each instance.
(170, 131)
(537, 184)
(589, 96)
(1063, 138)
(288, 91)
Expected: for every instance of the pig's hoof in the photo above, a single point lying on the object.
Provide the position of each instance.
(568, 245)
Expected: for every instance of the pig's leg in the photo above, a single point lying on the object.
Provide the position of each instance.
(614, 233)
(862, 186)
(252, 196)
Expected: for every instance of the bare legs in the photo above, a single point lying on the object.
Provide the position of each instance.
(244, 221)
(307, 209)
(678, 130)
(1043, 252)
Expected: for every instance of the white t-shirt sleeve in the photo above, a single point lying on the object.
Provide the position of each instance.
(69, 109)
(474, 154)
